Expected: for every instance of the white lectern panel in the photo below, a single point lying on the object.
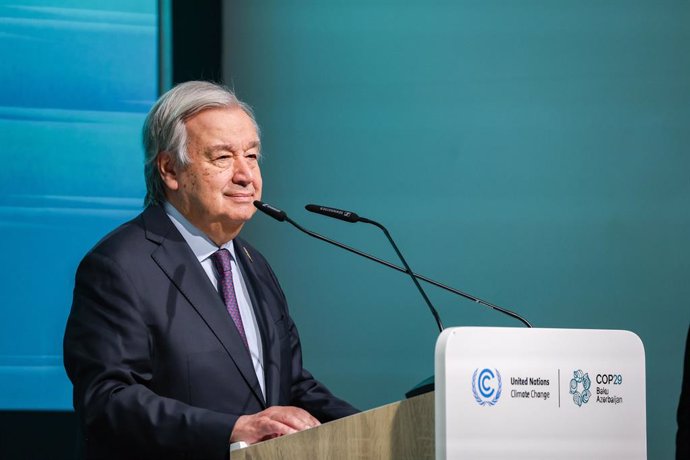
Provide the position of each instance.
(505, 393)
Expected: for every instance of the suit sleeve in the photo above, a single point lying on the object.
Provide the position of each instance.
(309, 393)
(108, 358)
(306, 391)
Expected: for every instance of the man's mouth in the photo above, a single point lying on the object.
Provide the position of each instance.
(241, 197)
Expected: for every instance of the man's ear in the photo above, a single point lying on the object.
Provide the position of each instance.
(168, 169)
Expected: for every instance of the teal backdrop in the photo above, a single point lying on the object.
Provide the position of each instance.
(533, 153)
(76, 81)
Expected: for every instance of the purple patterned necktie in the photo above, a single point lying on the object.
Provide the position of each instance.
(221, 260)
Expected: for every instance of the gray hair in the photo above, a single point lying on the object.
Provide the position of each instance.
(165, 130)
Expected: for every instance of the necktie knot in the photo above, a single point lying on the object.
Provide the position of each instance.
(221, 260)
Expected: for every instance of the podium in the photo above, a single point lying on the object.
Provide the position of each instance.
(403, 430)
(500, 393)
(540, 393)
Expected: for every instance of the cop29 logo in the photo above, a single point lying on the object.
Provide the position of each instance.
(486, 386)
(580, 379)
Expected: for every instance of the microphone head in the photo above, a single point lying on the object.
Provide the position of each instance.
(266, 208)
(347, 216)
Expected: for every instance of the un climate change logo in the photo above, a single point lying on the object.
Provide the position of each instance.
(580, 378)
(487, 386)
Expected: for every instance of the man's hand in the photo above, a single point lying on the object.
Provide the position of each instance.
(271, 423)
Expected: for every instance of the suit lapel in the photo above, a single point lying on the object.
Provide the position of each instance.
(176, 259)
(271, 343)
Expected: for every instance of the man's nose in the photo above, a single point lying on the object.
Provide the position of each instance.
(243, 173)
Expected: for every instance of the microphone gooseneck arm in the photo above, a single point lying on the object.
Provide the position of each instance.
(284, 218)
(408, 270)
(281, 216)
(349, 216)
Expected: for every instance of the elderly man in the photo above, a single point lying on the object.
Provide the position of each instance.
(179, 340)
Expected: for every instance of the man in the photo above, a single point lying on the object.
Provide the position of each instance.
(179, 340)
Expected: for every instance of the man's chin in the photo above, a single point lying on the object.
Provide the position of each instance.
(239, 218)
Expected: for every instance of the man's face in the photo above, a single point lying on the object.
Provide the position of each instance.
(217, 189)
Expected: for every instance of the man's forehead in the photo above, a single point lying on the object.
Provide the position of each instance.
(223, 122)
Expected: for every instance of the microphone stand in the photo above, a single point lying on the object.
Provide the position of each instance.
(282, 216)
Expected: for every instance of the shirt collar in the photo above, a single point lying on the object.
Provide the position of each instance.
(198, 241)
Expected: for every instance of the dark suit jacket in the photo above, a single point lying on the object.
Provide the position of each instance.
(157, 364)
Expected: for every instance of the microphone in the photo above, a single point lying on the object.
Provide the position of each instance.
(282, 216)
(276, 213)
(349, 216)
